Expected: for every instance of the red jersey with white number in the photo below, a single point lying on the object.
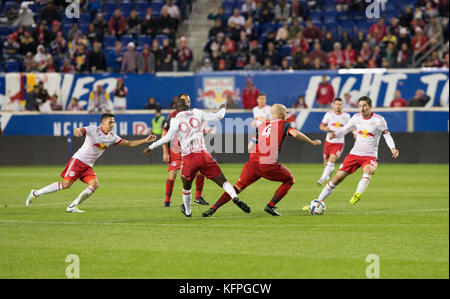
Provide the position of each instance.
(188, 126)
(335, 122)
(369, 131)
(269, 139)
(95, 144)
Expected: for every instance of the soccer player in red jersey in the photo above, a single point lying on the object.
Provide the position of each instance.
(263, 162)
(369, 128)
(188, 128)
(98, 139)
(172, 156)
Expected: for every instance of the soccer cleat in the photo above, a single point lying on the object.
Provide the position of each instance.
(74, 210)
(208, 213)
(166, 204)
(30, 198)
(305, 208)
(355, 198)
(201, 201)
(319, 182)
(271, 210)
(242, 205)
(183, 210)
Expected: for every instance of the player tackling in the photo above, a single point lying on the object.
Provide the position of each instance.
(369, 127)
(187, 126)
(98, 139)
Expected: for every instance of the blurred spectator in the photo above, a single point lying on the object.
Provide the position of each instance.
(184, 55)
(25, 16)
(349, 102)
(43, 93)
(349, 55)
(51, 67)
(378, 30)
(206, 66)
(249, 8)
(172, 9)
(312, 33)
(398, 100)
(231, 104)
(216, 29)
(272, 54)
(97, 60)
(253, 64)
(418, 41)
(282, 34)
(26, 42)
(117, 24)
(33, 100)
(41, 58)
(249, 95)
(282, 11)
(74, 105)
(433, 30)
(166, 60)
(133, 24)
(45, 107)
(318, 53)
(41, 35)
(146, 62)
(336, 57)
(120, 95)
(80, 59)
(218, 14)
(93, 6)
(328, 42)
(99, 100)
(152, 104)
(129, 61)
(236, 18)
(67, 67)
(29, 63)
(115, 58)
(294, 29)
(300, 103)
(74, 33)
(11, 48)
(157, 122)
(173, 104)
(325, 93)
(268, 66)
(92, 34)
(49, 13)
(149, 24)
(54, 104)
(284, 65)
(403, 56)
(434, 60)
(100, 25)
(419, 100)
(167, 24)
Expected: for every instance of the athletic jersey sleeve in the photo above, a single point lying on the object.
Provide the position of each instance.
(383, 125)
(89, 130)
(287, 127)
(208, 116)
(325, 119)
(169, 136)
(116, 139)
(347, 128)
(166, 125)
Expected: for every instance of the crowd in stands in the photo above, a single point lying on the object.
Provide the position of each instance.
(325, 34)
(107, 35)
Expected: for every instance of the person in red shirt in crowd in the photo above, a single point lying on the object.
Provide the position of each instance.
(299, 42)
(378, 30)
(312, 33)
(349, 54)
(117, 24)
(418, 41)
(325, 93)
(398, 101)
(336, 57)
(249, 95)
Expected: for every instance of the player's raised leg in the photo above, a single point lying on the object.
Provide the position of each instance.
(278, 173)
(56, 186)
(199, 183)
(328, 169)
(187, 197)
(169, 187)
(92, 186)
(368, 171)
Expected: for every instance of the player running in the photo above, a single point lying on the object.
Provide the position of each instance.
(172, 156)
(263, 162)
(332, 148)
(369, 128)
(262, 111)
(98, 139)
(187, 126)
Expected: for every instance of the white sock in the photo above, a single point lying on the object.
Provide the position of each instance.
(327, 190)
(229, 189)
(327, 171)
(48, 189)
(363, 183)
(83, 195)
(187, 201)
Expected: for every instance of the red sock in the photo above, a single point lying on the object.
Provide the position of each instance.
(280, 193)
(224, 199)
(169, 189)
(199, 182)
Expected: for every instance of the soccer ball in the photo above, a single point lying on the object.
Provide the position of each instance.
(317, 207)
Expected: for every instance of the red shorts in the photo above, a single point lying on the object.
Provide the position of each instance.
(195, 162)
(174, 161)
(332, 149)
(352, 162)
(75, 169)
(253, 171)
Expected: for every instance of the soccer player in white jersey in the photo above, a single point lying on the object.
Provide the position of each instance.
(332, 148)
(187, 126)
(262, 111)
(369, 128)
(98, 139)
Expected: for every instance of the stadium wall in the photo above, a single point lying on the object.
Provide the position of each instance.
(49, 150)
(209, 90)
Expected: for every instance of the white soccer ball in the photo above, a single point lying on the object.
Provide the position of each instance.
(317, 207)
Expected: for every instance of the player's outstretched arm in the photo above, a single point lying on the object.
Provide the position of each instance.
(391, 144)
(166, 156)
(79, 132)
(166, 139)
(208, 116)
(134, 143)
(302, 137)
(349, 126)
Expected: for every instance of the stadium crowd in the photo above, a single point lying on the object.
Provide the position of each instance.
(115, 36)
(325, 34)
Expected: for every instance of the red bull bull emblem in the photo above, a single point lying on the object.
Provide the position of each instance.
(366, 134)
(100, 146)
(216, 90)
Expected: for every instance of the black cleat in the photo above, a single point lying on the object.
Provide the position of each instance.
(242, 205)
(183, 210)
(201, 201)
(208, 213)
(271, 211)
(166, 204)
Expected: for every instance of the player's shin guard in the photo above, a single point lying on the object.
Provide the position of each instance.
(199, 182)
(169, 189)
(327, 171)
(187, 201)
(280, 193)
(224, 199)
(48, 189)
(363, 183)
(82, 197)
(229, 189)
(327, 190)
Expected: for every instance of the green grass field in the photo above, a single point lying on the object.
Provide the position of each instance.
(126, 233)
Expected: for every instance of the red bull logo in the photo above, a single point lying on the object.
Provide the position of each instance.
(216, 90)
(100, 146)
(337, 125)
(366, 133)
